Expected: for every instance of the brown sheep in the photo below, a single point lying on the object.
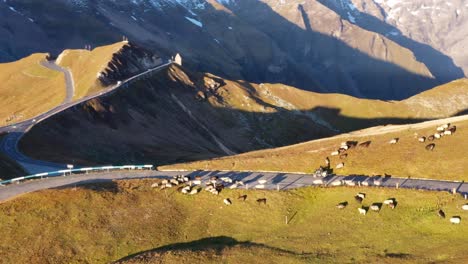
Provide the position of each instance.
(430, 147)
(365, 144)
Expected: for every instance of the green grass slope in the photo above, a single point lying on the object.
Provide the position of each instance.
(127, 219)
(407, 158)
(28, 89)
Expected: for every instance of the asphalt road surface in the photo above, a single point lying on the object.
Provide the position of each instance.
(273, 181)
(9, 144)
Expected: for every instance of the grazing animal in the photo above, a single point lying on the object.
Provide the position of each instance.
(318, 181)
(340, 165)
(437, 136)
(453, 129)
(394, 141)
(440, 129)
(445, 126)
(194, 191)
(344, 156)
(196, 182)
(441, 213)
(226, 179)
(447, 132)
(242, 197)
(388, 201)
(227, 201)
(327, 161)
(362, 195)
(341, 150)
(336, 183)
(261, 200)
(392, 205)
(422, 139)
(335, 153)
(431, 138)
(455, 220)
(362, 211)
(430, 147)
(358, 198)
(351, 144)
(342, 205)
(365, 144)
(375, 207)
(465, 207)
(345, 147)
(154, 185)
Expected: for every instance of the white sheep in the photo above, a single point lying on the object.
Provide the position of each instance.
(388, 201)
(318, 181)
(194, 191)
(227, 201)
(438, 135)
(262, 181)
(440, 129)
(422, 139)
(362, 195)
(154, 185)
(350, 182)
(455, 220)
(196, 182)
(337, 183)
(226, 179)
(335, 153)
(465, 207)
(375, 207)
(445, 126)
(394, 141)
(448, 132)
(340, 165)
(362, 211)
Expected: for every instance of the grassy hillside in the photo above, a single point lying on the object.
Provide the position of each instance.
(108, 222)
(28, 89)
(150, 121)
(407, 158)
(85, 66)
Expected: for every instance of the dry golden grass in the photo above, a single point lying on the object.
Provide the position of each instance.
(28, 89)
(85, 66)
(111, 221)
(408, 158)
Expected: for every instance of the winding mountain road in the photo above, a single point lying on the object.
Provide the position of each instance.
(9, 144)
(273, 181)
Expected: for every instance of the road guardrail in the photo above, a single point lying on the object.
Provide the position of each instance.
(78, 170)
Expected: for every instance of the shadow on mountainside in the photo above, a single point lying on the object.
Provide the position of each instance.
(441, 66)
(146, 124)
(214, 245)
(336, 66)
(267, 46)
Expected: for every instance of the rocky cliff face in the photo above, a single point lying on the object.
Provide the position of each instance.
(350, 47)
(129, 61)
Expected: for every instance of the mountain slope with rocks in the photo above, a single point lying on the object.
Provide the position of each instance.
(313, 45)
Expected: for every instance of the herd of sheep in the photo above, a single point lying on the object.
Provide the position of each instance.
(214, 185)
(391, 203)
(376, 207)
(342, 151)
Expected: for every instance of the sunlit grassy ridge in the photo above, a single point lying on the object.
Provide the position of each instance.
(115, 220)
(408, 158)
(28, 89)
(85, 66)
